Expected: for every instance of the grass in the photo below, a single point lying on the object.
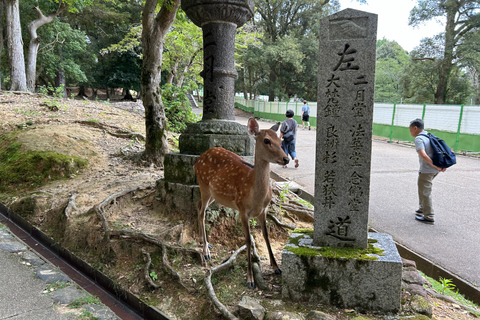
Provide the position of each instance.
(447, 288)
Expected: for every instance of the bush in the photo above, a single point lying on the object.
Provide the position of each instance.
(177, 108)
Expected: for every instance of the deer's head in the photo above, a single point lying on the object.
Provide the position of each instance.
(268, 146)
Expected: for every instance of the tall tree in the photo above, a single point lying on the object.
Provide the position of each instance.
(16, 60)
(461, 17)
(33, 26)
(391, 62)
(2, 10)
(283, 21)
(155, 26)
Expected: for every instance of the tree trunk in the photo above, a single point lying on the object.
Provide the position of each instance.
(81, 92)
(2, 6)
(128, 96)
(16, 59)
(452, 8)
(173, 73)
(271, 90)
(187, 67)
(155, 27)
(60, 77)
(35, 42)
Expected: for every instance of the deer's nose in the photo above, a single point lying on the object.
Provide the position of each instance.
(286, 160)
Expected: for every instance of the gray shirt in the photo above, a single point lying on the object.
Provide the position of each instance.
(423, 142)
(289, 125)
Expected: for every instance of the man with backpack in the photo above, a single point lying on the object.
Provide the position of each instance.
(427, 172)
(288, 134)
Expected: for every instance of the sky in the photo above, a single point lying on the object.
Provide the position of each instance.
(393, 21)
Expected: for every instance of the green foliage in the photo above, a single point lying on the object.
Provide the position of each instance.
(88, 299)
(154, 276)
(446, 284)
(391, 62)
(178, 110)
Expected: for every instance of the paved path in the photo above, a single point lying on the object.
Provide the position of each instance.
(33, 289)
(452, 243)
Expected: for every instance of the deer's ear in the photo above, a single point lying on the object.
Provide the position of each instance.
(275, 126)
(253, 127)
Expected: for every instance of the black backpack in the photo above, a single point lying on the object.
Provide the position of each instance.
(443, 157)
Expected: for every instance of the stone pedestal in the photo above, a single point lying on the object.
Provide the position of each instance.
(203, 135)
(371, 281)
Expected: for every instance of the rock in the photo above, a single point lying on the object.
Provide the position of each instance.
(409, 263)
(33, 259)
(318, 315)
(5, 235)
(67, 295)
(420, 305)
(282, 315)
(101, 312)
(412, 277)
(49, 275)
(12, 246)
(251, 309)
(416, 289)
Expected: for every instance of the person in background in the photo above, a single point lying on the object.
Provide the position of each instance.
(305, 114)
(288, 134)
(427, 172)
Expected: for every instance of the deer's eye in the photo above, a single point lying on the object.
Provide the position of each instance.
(267, 141)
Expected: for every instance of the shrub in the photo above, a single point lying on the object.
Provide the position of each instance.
(178, 110)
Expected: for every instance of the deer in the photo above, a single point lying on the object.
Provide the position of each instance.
(225, 177)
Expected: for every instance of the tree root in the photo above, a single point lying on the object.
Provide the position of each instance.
(303, 213)
(113, 130)
(70, 206)
(280, 224)
(127, 234)
(208, 281)
(288, 201)
(174, 273)
(147, 269)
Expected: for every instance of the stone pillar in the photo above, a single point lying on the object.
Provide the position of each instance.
(219, 20)
(346, 79)
(339, 262)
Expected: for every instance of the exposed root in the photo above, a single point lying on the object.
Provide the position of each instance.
(280, 224)
(113, 130)
(208, 281)
(127, 234)
(127, 135)
(147, 270)
(174, 273)
(288, 201)
(70, 206)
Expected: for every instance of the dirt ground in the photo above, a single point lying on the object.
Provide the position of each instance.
(108, 213)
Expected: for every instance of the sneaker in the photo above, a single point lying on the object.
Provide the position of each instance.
(424, 220)
(419, 211)
(308, 128)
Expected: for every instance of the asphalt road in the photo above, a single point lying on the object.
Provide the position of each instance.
(452, 243)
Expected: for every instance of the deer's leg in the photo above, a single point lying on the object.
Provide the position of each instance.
(262, 219)
(248, 242)
(202, 207)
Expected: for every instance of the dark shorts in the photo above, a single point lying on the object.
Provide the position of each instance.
(305, 117)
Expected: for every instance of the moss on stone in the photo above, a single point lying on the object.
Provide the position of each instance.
(370, 253)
